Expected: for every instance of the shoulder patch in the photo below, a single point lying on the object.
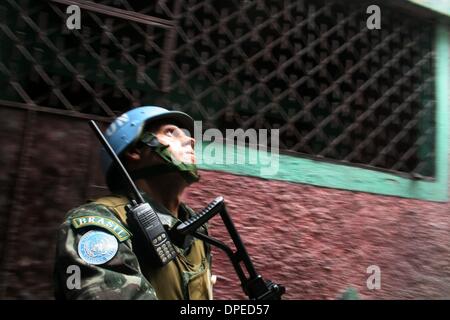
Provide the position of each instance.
(97, 247)
(116, 229)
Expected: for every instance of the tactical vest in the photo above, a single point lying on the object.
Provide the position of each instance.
(186, 277)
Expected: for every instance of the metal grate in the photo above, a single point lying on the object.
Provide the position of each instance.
(334, 88)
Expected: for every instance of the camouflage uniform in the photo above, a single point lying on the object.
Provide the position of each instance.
(128, 275)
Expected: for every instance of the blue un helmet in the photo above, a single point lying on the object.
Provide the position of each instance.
(128, 127)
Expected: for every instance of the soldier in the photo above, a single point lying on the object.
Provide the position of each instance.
(96, 244)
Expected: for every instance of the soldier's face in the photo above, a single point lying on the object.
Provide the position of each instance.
(181, 145)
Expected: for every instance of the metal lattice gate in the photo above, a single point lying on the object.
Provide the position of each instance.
(334, 88)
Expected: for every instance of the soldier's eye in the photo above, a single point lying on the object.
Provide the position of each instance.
(178, 132)
(169, 132)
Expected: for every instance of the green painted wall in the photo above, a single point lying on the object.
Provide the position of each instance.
(213, 156)
(441, 6)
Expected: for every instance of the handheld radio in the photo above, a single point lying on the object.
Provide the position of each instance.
(141, 217)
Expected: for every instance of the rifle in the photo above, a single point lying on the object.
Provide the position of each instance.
(254, 286)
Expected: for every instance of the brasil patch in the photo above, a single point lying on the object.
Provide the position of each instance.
(116, 229)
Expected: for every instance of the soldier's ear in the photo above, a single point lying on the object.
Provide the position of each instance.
(133, 155)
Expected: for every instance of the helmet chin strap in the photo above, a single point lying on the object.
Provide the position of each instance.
(160, 169)
(188, 171)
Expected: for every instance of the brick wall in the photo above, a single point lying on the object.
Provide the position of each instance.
(319, 242)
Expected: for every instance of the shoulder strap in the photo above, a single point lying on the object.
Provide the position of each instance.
(204, 230)
(117, 204)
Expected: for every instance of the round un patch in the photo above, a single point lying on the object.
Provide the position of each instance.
(97, 247)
